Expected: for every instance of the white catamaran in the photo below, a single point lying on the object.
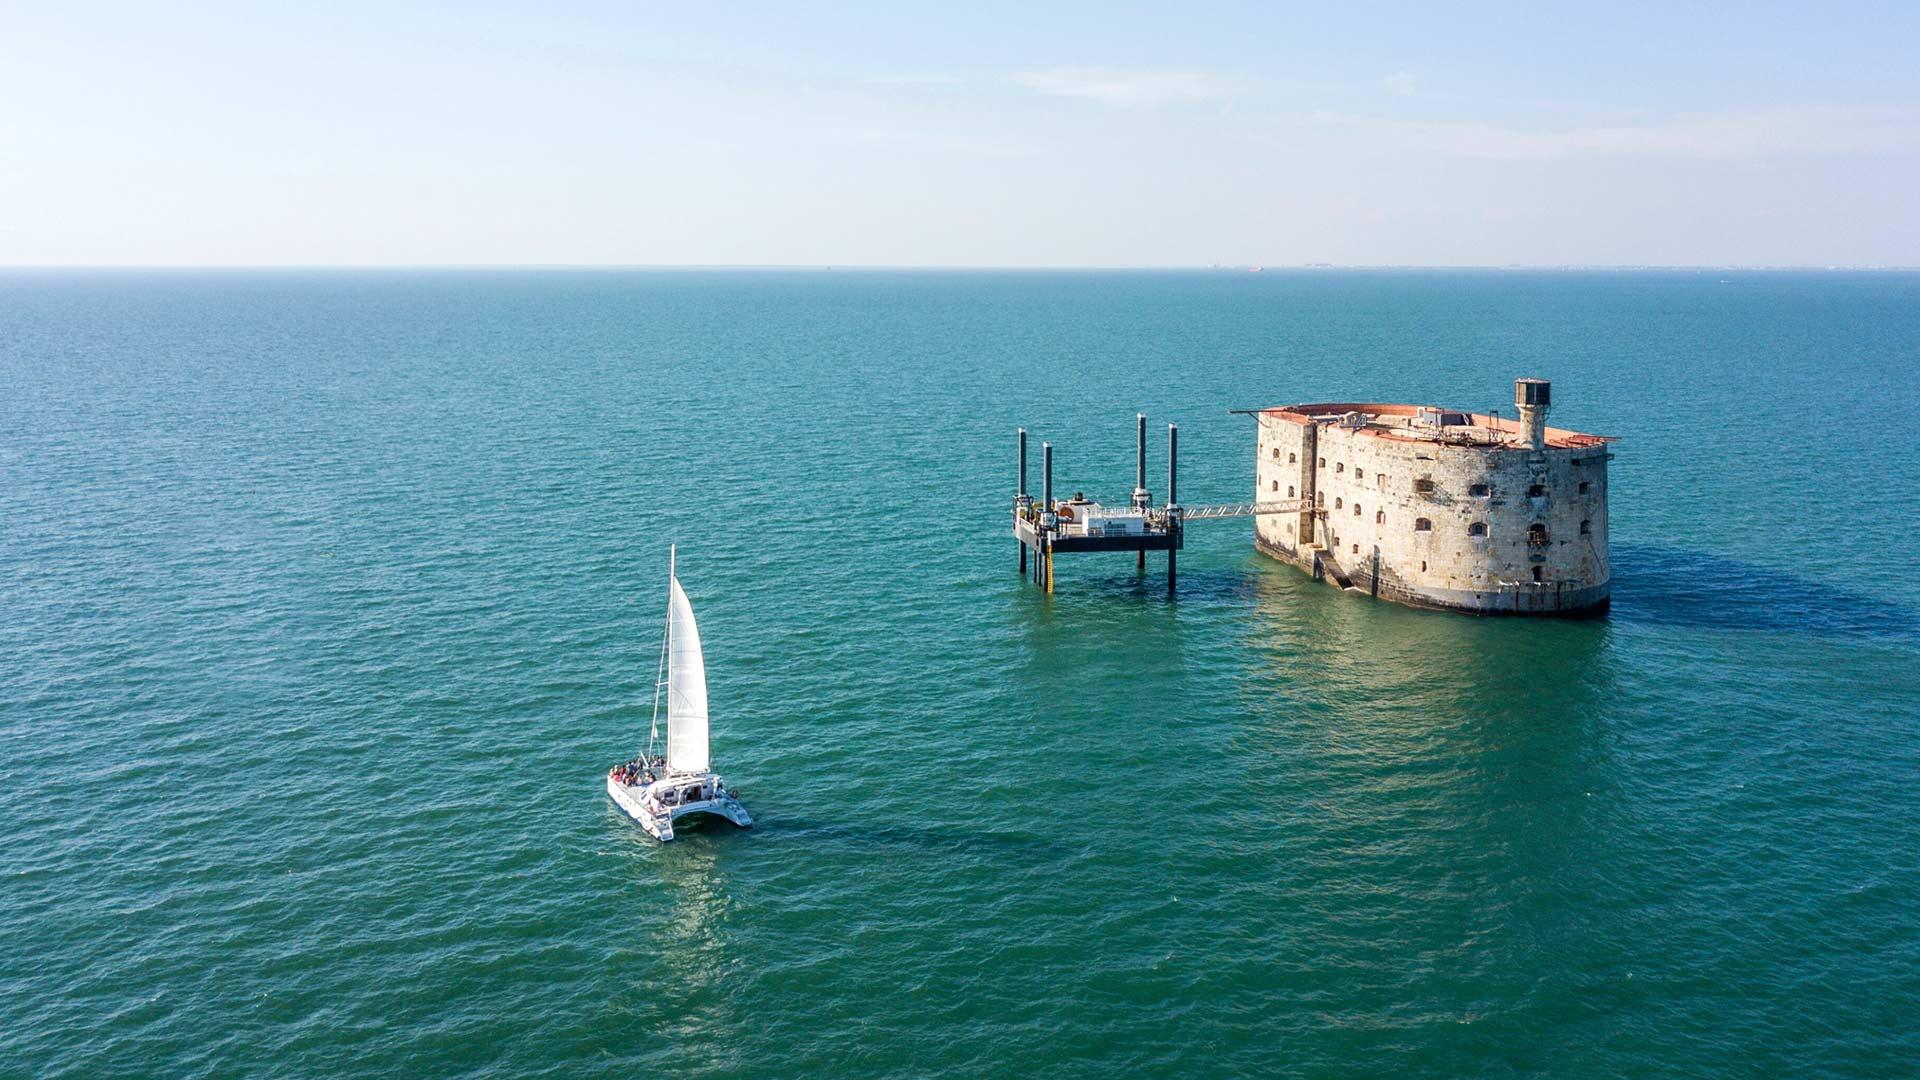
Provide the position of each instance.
(656, 790)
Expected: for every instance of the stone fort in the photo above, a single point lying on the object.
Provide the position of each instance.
(1439, 508)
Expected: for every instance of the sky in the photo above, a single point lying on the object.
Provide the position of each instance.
(959, 134)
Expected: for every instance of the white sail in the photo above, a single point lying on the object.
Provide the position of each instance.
(686, 688)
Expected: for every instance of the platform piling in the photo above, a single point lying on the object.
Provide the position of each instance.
(1046, 478)
(1173, 501)
(1019, 496)
(1043, 551)
(1140, 496)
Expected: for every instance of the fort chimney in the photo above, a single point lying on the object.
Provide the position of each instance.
(1532, 397)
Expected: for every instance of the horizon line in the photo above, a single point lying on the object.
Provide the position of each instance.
(991, 267)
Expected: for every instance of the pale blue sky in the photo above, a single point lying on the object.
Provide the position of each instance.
(957, 134)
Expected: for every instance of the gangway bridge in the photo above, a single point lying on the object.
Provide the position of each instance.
(1048, 527)
(1230, 510)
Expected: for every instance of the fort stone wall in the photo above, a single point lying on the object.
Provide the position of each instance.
(1465, 515)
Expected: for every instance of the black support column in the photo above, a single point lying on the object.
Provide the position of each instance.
(1173, 504)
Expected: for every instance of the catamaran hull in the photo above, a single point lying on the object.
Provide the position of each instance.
(629, 800)
(659, 821)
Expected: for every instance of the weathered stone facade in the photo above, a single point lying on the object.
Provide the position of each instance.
(1438, 508)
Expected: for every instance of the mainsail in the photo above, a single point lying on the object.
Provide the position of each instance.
(686, 688)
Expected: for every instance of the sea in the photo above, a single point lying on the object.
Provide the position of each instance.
(327, 597)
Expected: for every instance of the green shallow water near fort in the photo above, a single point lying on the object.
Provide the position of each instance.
(327, 597)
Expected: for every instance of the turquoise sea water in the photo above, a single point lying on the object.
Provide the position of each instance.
(326, 598)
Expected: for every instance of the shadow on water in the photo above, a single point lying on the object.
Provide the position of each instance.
(1202, 584)
(1673, 587)
(868, 836)
(701, 839)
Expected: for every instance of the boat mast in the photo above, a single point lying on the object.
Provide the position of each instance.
(663, 676)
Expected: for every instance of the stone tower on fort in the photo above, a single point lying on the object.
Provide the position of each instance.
(1440, 508)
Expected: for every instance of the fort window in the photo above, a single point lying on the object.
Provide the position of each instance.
(1320, 498)
(1478, 528)
(1586, 528)
(1289, 491)
(1422, 525)
(1478, 491)
(1291, 459)
(1423, 566)
(1356, 509)
(1380, 480)
(1423, 486)
(1583, 487)
(1338, 503)
(1536, 491)
(1323, 463)
(1537, 535)
(1359, 474)
(1276, 485)
(1537, 576)
(1380, 518)
(1356, 549)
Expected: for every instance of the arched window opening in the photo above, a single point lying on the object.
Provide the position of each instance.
(1356, 509)
(1537, 535)
(1356, 549)
(1359, 474)
(1380, 518)
(1423, 566)
(1584, 486)
(1289, 491)
(1338, 503)
(1323, 463)
(1478, 491)
(1586, 528)
(1537, 491)
(1320, 498)
(1422, 525)
(1478, 528)
(1292, 460)
(1537, 575)
(1339, 467)
(1276, 486)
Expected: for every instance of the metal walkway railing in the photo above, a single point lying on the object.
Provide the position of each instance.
(1230, 510)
